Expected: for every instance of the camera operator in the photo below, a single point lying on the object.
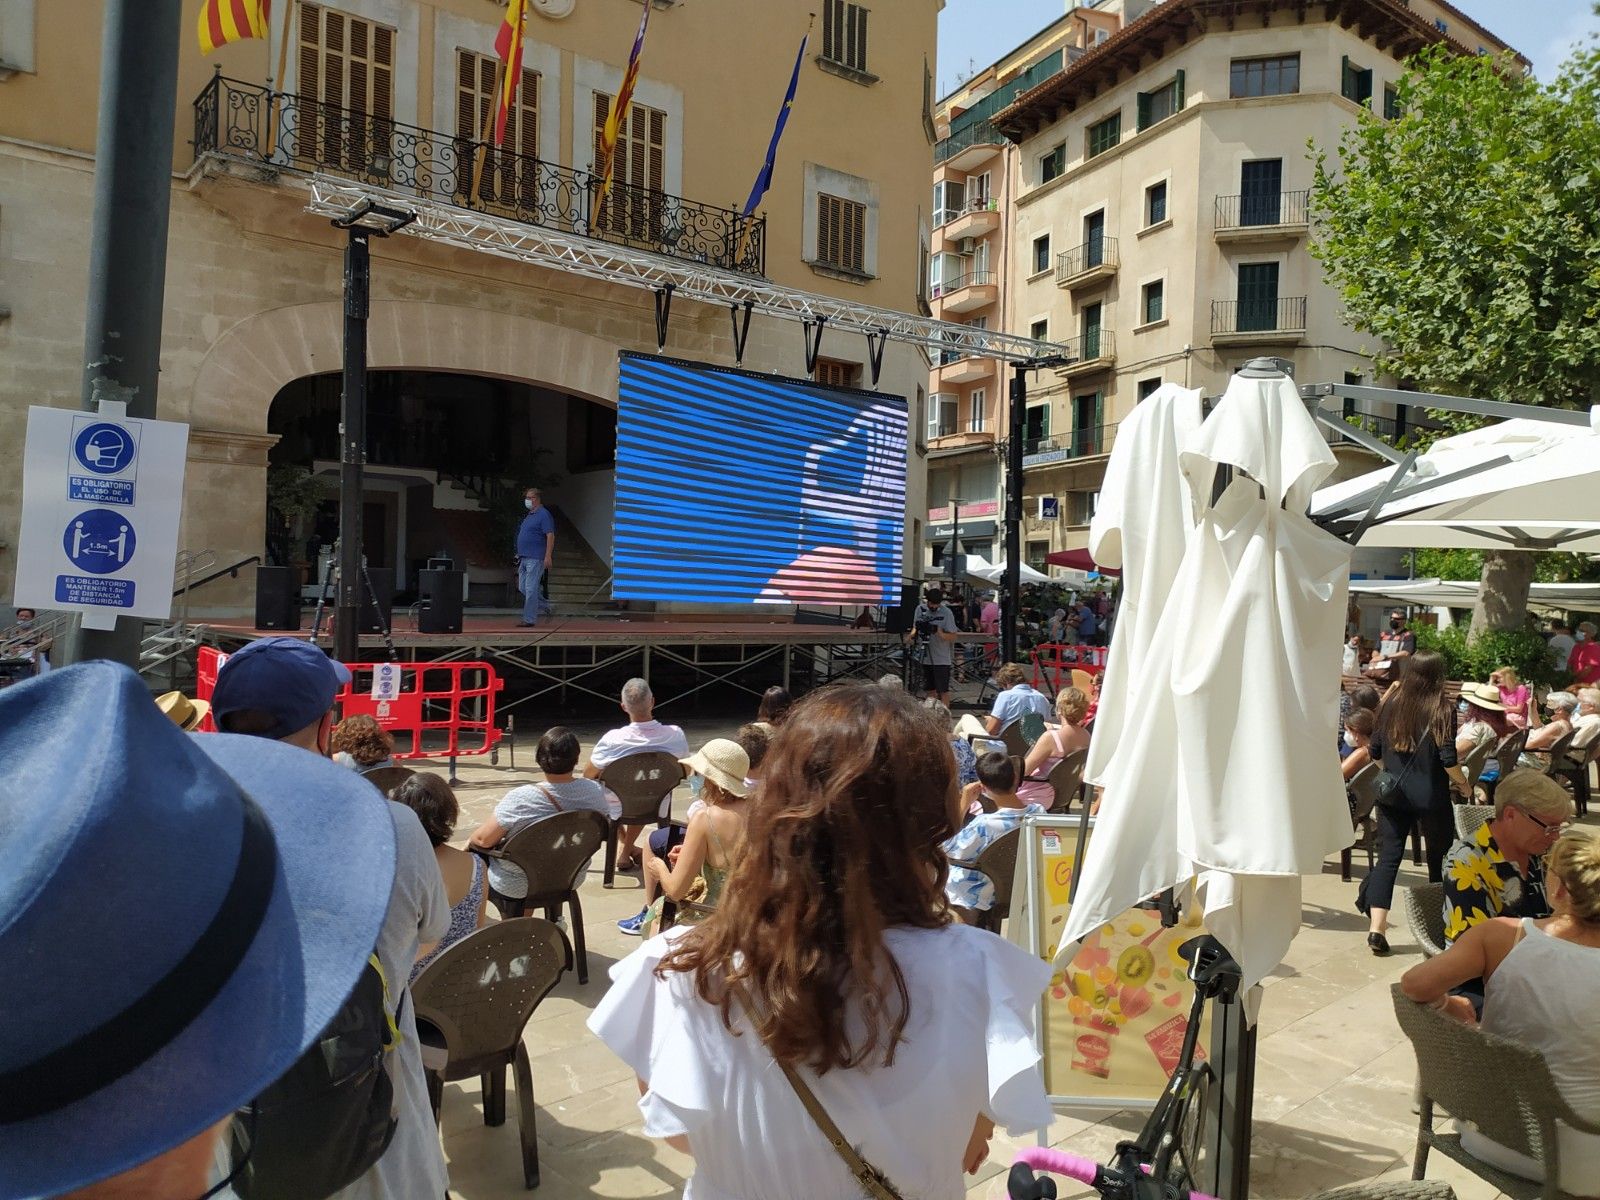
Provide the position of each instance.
(934, 625)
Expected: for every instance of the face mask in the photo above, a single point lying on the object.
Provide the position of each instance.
(1582, 637)
(1349, 739)
(697, 784)
(528, 504)
(1395, 624)
(25, 623)
(1462, 708)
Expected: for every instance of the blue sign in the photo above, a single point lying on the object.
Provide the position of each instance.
(104, 448)
(99, 541)
(81, 589)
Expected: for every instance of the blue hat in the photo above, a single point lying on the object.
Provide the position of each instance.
(286, 677)
(180, 917)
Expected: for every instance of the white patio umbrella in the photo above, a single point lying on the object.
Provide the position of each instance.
(1521, 484)
(1222, 767)
(1451, 593)
(996, 574)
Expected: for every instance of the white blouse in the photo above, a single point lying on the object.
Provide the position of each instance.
(968, 1049)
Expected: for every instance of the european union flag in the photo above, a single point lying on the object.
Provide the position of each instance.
(764, 179)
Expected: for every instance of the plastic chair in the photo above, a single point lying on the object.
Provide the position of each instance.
(479, 995)
(1558, 752)
(1473, 764)
(1030, 726)
(1469, 817)
(999, 864)
(1066, 780)
(1424, 909)
(1574, 768)
(1363, 793)
(641, 782)
(386, 779)
(1506, 754)
(553, 853)
(1502, 1087)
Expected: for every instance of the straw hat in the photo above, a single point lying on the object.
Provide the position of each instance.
(185, 713)
(723, 762)
(1483, 695)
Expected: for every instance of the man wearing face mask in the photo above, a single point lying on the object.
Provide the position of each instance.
(1395, 643)
(1584, 661)
(284, 689)
(536, 549)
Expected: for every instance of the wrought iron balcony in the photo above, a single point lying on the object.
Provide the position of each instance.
(1261, 210)
(978, 134)
(1094, 260)
(1086, 442)
(1268, 318)
(249, 123)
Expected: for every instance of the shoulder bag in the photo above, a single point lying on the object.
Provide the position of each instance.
(1387, 784)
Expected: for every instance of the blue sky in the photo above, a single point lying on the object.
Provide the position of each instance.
(973, 33)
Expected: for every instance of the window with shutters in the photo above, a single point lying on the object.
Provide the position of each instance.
(1160, 104)
(637, 205)
(1103, 135)
(510, 173)
(833, 373)
(346, 83)
(841, 233)
(844, 34)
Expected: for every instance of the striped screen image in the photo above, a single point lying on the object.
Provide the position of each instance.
(741, 488)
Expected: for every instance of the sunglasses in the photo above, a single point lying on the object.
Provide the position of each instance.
(1555, 827)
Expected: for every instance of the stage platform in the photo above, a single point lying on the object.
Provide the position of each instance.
(593, 655)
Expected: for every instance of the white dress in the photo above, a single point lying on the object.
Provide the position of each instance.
(1542, 995)
(1228, 771)
(968, 1050)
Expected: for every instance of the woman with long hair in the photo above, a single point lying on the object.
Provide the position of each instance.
(834, 954)
(1415, 739)
(774, 707)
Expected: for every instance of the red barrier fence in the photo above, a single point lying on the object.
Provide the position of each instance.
(1053, 663)
(438, 710)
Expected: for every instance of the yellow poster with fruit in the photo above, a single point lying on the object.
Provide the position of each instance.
(1112, 1021)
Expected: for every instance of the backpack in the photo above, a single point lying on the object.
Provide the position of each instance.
(331, 1116)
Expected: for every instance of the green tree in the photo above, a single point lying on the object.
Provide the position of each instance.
(1465, 234)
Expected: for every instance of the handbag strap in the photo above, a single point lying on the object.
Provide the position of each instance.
(549, 794)
(873, 1181)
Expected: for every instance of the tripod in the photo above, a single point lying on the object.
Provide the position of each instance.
(329, 581)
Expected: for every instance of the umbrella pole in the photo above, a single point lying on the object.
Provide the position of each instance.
(1231, 1107)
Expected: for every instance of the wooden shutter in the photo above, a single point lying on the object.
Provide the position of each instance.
(309, 81)
(346, 68)
(855, 236)
(636, 206)
(828, 229)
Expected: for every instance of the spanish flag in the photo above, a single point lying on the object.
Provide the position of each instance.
(619, 110)
(223, 21)
(508, 45)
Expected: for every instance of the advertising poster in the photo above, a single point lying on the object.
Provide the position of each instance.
(1112, 1021)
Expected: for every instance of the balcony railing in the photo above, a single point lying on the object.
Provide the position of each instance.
(1096, 252)
(1061, 447)
(1093, 344)
(1384, 428)
(969, 279)
(979, 133)
(290, 132)
(1283, 314)
(1256, 209)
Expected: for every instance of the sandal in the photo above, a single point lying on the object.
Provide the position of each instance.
(629, 862)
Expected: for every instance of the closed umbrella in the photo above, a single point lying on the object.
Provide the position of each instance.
(1520, 484)
(1219, 761)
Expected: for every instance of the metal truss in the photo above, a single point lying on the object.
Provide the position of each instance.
(559, 250)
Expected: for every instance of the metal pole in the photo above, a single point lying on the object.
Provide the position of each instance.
(352, 443)
(128, 232)
(1013, 582)
(955, 541)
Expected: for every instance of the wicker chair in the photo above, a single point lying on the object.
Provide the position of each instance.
(1470, 817)
(1424, 909)
(642, 782)
(479, 996)
(999, 863)
(1502, 1087)
(386, 779)
(1390, 1189)
(553, 853)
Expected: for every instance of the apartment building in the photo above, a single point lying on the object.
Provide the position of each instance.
(486, 372)
(972, 280)
(1159, 225)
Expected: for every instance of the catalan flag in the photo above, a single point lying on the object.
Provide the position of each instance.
(508, 45)
(223, 21)
(619, 110)
(764, 177)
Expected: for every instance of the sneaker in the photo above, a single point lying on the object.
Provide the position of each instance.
(634, 926)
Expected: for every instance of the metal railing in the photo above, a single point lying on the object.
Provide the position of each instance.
(970, 279)
(975, 423)
(1283, 314)
(1385, 428)
(1270, 208)
(1096, 252)
(944, 216)
(289, 132)
(979, 133)
(1092, 344)
(1061, 447)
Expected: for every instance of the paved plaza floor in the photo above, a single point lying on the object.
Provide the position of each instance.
(1333, 1084)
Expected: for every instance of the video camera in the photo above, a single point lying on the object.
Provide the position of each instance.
(925, 625)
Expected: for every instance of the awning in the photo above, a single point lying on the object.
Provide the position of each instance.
(1079, 560)
(1451, 593)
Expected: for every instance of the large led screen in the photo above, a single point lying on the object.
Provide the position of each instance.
(743, 488)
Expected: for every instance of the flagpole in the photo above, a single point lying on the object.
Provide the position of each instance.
(281, 78)
(748, 218)
(488, 130)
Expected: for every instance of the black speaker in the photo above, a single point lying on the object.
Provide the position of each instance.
(277, 598)
(441, 595)
(898, 618)
(383, 588)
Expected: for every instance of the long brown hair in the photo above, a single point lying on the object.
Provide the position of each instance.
(843, 841)
(1417, 706)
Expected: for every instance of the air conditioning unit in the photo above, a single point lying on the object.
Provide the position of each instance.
(967, 247)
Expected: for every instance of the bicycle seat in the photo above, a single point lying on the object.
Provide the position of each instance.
(1211, 967)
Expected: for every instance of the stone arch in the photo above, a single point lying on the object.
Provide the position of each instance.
(248, 365)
